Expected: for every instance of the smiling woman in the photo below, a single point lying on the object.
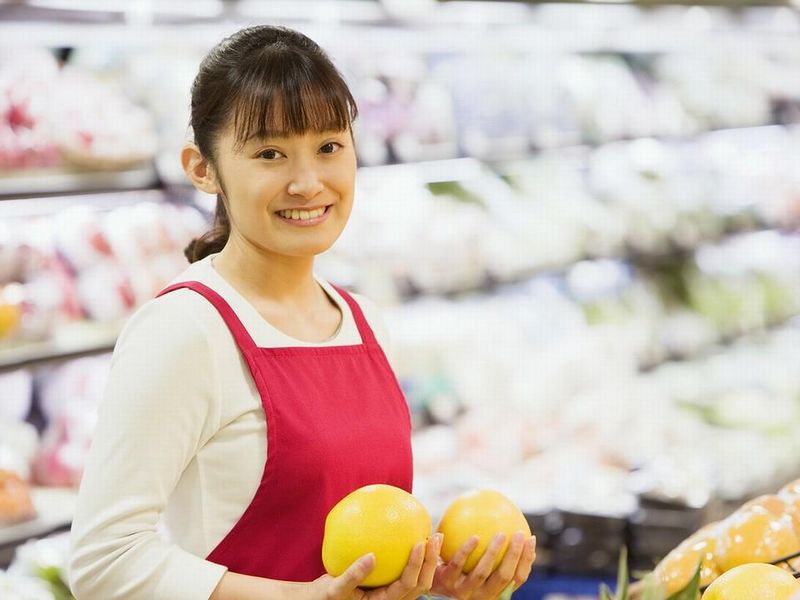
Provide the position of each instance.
(251, 396)
(264, 86)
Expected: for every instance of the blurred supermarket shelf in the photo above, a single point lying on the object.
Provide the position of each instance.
(71, 341)
(39, 182)
(459, 25)
(723, 342)
(54, 508)
(14, 207)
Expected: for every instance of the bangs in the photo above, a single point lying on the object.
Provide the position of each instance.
(289, 94)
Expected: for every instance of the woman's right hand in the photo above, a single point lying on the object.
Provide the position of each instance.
(415, 581)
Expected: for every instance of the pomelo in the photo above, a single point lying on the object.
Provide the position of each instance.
(381, 519)
(482, 513)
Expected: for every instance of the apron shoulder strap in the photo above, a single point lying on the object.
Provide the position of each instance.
(364, 330)
(240, 334)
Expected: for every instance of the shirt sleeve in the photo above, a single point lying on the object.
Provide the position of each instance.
(157, 412)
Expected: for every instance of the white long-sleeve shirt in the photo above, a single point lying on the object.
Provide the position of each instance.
(180, 445)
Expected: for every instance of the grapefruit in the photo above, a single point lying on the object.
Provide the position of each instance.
(753, 581)
(772, 503)
(791, 496)
(755, 536)
(482, 513)
(677, 568)
(381, 519)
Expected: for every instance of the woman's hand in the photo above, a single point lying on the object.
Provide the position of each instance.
(416, 580)
(482, 583)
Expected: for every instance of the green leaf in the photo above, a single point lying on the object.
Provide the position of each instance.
(506, 595)
(605, 593)
(692, 590)
(622, 574)
(650, 589)
(53, 577)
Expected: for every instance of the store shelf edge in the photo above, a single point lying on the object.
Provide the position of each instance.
(39, 353)
(37, 183)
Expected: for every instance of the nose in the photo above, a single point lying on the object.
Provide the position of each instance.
(305, 182)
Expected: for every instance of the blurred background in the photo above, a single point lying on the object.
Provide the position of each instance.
(579, 219)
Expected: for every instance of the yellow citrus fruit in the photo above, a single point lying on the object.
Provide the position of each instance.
(791, 496)
(677, 568)
(10, 316)
(791, 488)
(793, 510)
(482, 513)
(381, 519)
(754, 581)
(772, 503)
(755, 535)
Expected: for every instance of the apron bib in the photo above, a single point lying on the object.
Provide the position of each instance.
(336, 421)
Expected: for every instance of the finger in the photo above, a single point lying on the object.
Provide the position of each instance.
(460, 557)
(505, 571)
(344, 584)
(408, 580)
(434, 546)
(483, 569)
(526, 562)
(455, 568)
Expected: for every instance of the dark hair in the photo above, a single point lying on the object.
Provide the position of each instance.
(264, 81)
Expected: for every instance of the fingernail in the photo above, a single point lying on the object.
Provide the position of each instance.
(500, 538)
(438, 540)
(367, 559)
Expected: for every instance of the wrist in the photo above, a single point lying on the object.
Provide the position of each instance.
(234, 586)
(297, 591)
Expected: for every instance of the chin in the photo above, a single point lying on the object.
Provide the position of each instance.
(310, 251)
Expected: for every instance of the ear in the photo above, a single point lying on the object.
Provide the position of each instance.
(197, 169)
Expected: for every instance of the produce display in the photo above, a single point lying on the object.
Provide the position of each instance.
(752, 553)
(82, 264)
(53, 115)
(587, 260)
(38, 571)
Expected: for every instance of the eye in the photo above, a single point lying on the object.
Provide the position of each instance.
(269, 154)
(330, 148)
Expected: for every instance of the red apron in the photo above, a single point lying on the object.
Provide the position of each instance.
(336, 421)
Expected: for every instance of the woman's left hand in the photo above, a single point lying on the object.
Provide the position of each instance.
(483, 583)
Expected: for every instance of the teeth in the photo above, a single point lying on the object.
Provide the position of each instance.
(302, 215)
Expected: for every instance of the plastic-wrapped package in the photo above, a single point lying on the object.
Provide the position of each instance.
(19, 443)
(27, 80)
(70, 395)
(54, 114)
(99, 128)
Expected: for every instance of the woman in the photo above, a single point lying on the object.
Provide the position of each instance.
(251, 396)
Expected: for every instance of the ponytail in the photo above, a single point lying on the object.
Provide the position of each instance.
(212, 241)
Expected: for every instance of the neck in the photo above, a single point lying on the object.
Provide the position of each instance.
(261, 275)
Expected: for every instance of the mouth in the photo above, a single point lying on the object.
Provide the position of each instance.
(304, 217)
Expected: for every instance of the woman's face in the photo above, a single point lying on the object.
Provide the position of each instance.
(288, 195)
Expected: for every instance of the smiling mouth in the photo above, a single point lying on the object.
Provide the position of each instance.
(303, 215)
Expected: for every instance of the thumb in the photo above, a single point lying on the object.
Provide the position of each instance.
(353, 576)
